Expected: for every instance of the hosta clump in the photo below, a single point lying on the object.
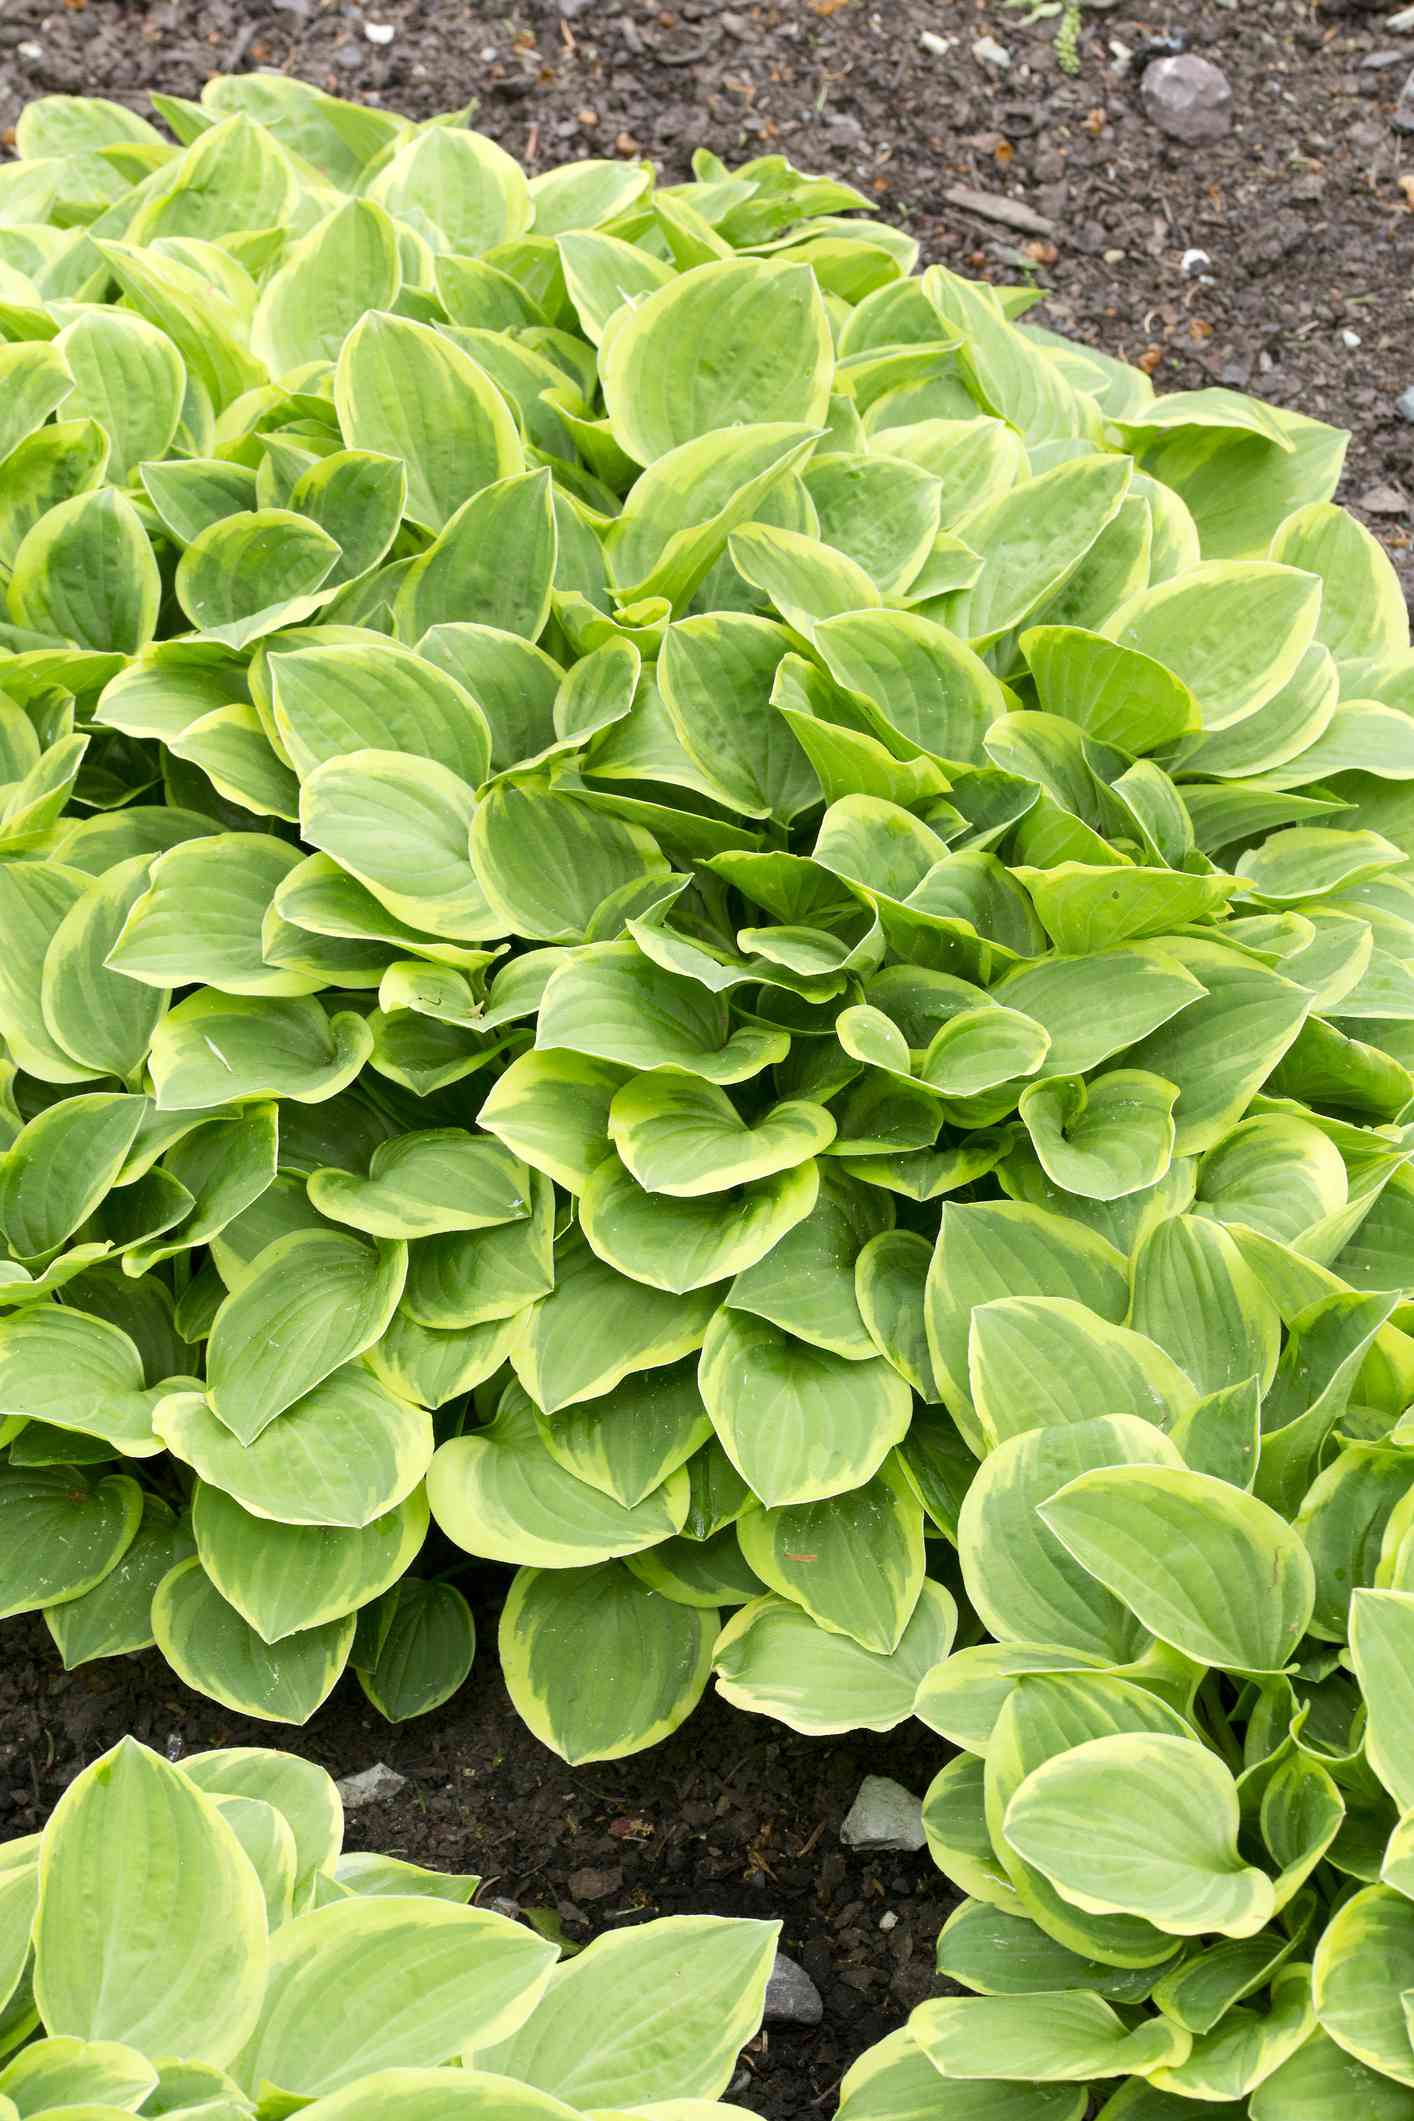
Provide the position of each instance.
(193, 1941)
(685, 901)
(1180, 1809)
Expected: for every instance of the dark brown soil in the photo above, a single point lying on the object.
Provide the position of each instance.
(735, 1816)
(1310, 233)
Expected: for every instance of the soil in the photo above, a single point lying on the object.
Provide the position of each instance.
(1306, 213)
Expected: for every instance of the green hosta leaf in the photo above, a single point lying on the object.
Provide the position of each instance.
(1363, 1963)
(1363, 611)
(211, 1647)
(693, 1243)
(656, 2012)
(58, 2071)
(347, 264)
(424, 1654)
(343, 1454)
(895, 2081)
(68, 1532)
(492, 564)
(311, 1303)
(165, 1950)
(466, 186)
(450, 1974)
(404, 390)
(354, 696)
(774, 1659)
(247, 574)
(1381, 1626)
(1038, 1360)
(1207, 1568)
(399, 825)
(855, 1564)
(1027, 1585)
(86, 573)
(547, 863)
(500, 1493)
(798, 1422)
(129, 377)
(115, 1617)
(1066, 2037)
(726, 345)
(1103, 1140)
(1233, 631)
(1172, 1855)
(79, 1373)
(418, 1184)
(989, 1251)
(59, 1168)
(681, 1135)
(285, 1578)
(560, 1627)
(611, 1003)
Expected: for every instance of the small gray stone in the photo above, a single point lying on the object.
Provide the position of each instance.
(791, 1996)
(1403, 119)
(1403, 20)
(1188, 98)
(1404, 405)
(375, 1785)
(1381, 62)
(987, 52)
(884, 1816)
(1382, 501)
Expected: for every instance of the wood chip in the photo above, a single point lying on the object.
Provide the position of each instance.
(996, 206)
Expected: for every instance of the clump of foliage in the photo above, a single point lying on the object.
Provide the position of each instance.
(718, 916)
(192, 1942)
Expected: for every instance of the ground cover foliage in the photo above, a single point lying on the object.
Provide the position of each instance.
(713, 915)
(240, 1964)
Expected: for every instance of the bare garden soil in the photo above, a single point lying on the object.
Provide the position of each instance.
(1309, 234)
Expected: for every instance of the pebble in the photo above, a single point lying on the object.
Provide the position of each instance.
(1403, 119)
(791, 1996)
(1380, 62)
(884, 1816)
(932, 42)
(379, 32)
(1195, 261)
(1403, 20)
(1404, 405)
(987, 52)
(888, 1921)
(1382, 501)
(1188, 98)
(1350, 340)
(375, 1785)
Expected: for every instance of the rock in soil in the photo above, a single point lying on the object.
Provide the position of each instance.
(1188, 98)
(373, 1785)
(884, 1816)
(791, 1996)
(1403, 119)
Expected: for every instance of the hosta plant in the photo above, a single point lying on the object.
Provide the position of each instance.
(193, 1942)
(698, 909)
(1182, 1805)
